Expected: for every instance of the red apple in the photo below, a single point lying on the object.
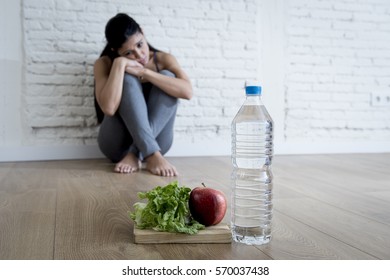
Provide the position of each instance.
(207, 205)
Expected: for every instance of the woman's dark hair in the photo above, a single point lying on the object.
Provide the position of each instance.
(118, 30)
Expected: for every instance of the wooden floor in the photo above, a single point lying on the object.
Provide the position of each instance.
(325, 207)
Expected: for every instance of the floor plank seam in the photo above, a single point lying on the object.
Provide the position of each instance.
(55, 225)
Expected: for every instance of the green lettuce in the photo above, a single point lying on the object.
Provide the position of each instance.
(167, 209)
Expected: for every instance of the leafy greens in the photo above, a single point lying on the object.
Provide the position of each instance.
(166, 210)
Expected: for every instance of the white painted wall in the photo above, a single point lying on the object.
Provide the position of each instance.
(10, 74)
(319, 62)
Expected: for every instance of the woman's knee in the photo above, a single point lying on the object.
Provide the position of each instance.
(132, 89)
(131, 82)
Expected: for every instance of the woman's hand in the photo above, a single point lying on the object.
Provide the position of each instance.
(136, 71)
(132, 67)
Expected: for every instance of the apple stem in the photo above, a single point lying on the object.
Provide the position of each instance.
(204, 185)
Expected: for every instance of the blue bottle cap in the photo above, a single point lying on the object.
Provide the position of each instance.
(253, 90)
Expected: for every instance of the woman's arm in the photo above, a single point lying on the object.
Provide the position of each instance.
(179, 87)
(109, 79)
(109, 82)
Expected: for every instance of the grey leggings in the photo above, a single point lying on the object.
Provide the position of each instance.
(143, 123)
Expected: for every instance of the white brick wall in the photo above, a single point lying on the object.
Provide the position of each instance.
(337, 53)
(325, 59)
(214, 41)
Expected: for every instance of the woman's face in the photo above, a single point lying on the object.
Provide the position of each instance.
(135, 48)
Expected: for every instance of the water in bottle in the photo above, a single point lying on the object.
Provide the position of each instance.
(252, 150)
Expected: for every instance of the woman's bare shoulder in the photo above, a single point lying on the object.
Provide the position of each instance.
(103, 62)
(163, 56)
(102, 66)
(167, 60)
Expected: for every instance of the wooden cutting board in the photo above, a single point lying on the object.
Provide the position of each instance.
(213, 234)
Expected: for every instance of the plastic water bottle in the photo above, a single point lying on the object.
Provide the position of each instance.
(252, 151)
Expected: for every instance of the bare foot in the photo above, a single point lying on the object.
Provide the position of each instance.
(129, 164)
(158, 165)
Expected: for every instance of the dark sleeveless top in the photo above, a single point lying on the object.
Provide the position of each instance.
(146, 87)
